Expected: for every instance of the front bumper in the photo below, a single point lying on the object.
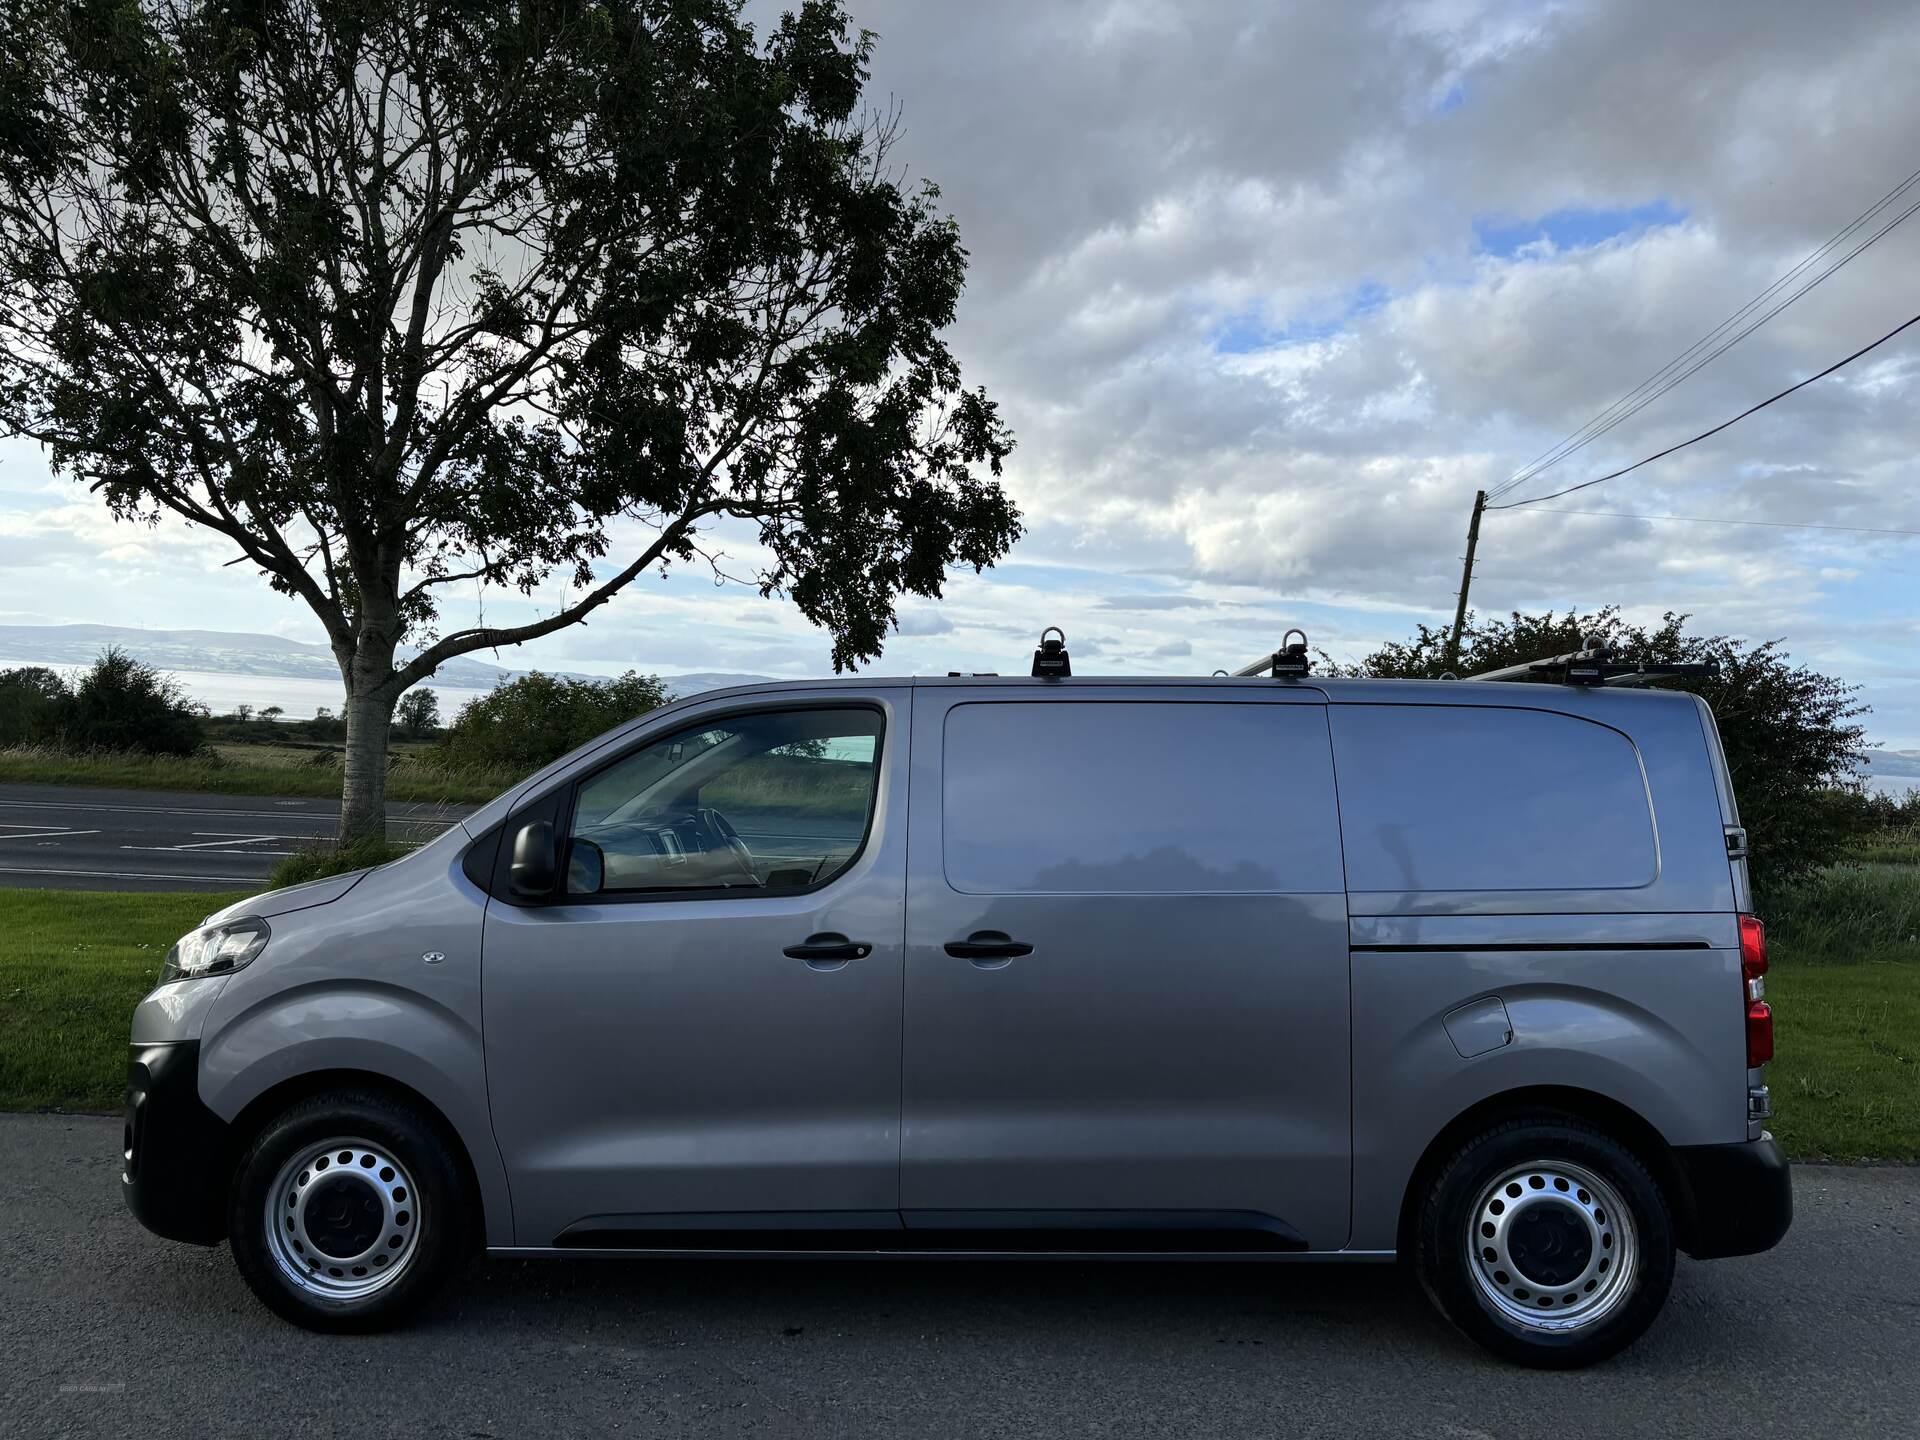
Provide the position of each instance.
(1741, 1197)
(175, 1150)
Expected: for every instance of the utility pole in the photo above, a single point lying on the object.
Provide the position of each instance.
(1466, 579)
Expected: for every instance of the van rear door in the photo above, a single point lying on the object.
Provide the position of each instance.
(1126, 976)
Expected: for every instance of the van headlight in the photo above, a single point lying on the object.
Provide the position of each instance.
(215, 950)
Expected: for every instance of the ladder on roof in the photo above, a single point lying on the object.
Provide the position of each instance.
(1596, 664)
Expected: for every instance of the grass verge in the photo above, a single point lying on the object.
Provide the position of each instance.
(1846, 1077)
(410, 779)
(72, 966)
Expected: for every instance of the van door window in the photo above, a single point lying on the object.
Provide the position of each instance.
(771, 801)
(1139, 798)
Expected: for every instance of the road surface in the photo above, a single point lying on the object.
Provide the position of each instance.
(109, 1331)
(74, 838)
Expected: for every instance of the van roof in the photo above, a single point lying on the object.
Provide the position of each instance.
(1527, 694)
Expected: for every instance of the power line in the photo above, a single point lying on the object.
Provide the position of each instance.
(1607, 418)
(1720, 350)
(1716, 520)
(1755, 325)
(1724, 424)
(1663, 380)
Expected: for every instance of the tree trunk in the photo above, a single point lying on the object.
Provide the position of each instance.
(363, 799)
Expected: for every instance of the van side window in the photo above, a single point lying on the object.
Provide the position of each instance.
(1125, 798)
(1468, 797)
(777, 801)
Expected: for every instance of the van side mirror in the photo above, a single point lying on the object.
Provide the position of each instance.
(536, 861)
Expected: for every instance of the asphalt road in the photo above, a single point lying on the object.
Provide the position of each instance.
(74, 838)
(107, 1330)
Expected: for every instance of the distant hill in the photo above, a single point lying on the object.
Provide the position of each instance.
(223, 652)
(229, 652)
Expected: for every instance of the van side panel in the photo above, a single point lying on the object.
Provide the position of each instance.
(1617, 976)
(349, 988)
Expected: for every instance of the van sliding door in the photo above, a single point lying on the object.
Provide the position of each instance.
(1126, 975)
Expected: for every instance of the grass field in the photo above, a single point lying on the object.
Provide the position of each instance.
(1845, 985)
(246, 770)
(1845, 989)
(72, 965)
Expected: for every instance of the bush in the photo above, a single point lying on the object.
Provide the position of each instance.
(125, 704)
(33, 702)
(533, 720)
(320, 861)
(1792, 745)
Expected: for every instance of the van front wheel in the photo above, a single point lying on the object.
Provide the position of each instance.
(348, 1212)
(1547, 1241)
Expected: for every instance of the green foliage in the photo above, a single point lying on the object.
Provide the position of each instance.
(125, 704)
(320, 861)
(1791, 742)
(120, 705)
(418, 713)
(33, 702)
(1848, 913)
(534, 719)
(315, 773)
(403, 296)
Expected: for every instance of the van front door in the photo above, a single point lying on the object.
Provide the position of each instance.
(701, 1030)
(1127, 989)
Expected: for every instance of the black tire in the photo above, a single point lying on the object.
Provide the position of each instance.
(1447, 1269)
(435, 1227)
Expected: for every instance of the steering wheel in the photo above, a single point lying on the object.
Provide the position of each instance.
(722, 829)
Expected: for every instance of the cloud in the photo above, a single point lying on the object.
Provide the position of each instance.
(1268, 290)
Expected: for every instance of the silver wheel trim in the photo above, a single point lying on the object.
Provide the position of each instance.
(1612, 1266)
(375, 1175)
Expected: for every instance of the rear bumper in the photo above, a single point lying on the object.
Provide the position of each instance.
(174, 1150)
(1742, 1197)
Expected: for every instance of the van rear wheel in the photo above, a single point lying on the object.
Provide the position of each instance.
(1547, 1241)
(348, 1212)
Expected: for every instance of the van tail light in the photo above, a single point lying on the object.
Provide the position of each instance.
(1753, 977)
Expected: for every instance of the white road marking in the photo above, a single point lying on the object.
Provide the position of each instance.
(236, 854)
(227, 843)
(128, 875)
(42, 834)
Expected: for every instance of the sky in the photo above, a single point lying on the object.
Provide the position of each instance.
(1267, 291)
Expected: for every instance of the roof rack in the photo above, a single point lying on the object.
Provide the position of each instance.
(1596, 664)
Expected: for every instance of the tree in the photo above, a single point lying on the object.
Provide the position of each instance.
(418, 712)
(33, 703)
(271, 712)
(125, 704)
(1792, 746)
(534, 719)
(402, 296)
(243, 712)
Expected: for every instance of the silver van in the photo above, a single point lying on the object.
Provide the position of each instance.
(1260, 968)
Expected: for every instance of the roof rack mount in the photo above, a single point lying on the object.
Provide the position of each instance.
(1286, 663)
(1595, 665)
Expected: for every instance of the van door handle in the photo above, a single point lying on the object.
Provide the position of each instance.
(828, 946)
(987, 945)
